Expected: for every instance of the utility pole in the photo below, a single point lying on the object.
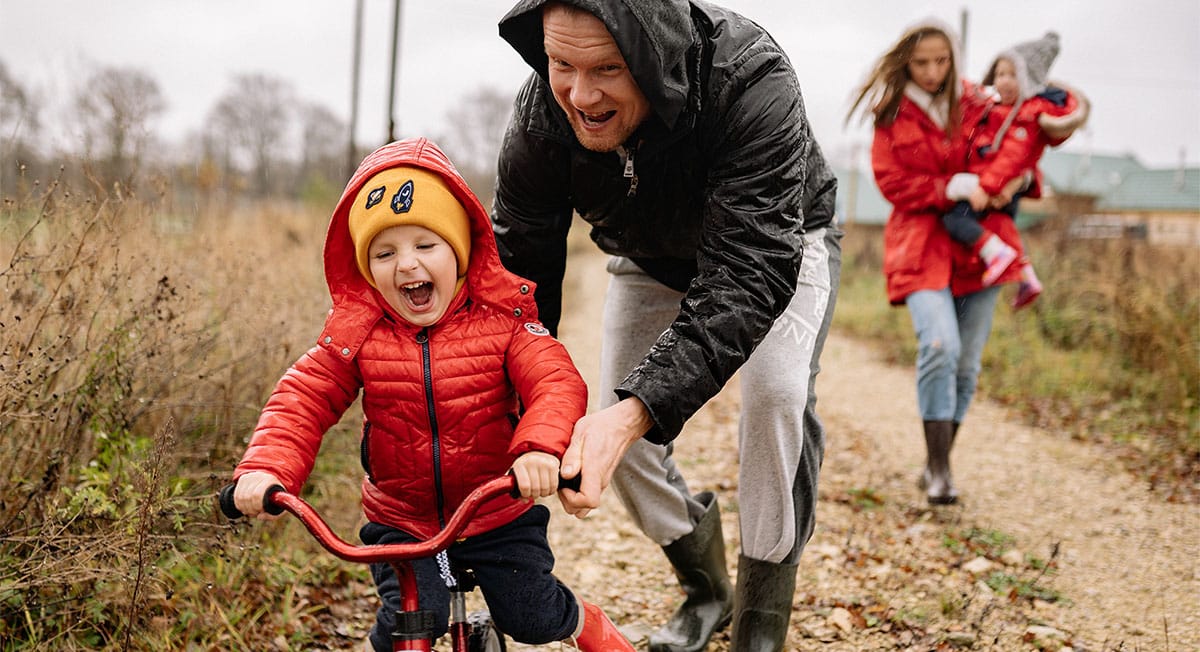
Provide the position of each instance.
(395, 67)
(352, 148)
(962, 35)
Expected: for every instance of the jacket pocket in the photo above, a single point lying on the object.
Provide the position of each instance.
(364, 455)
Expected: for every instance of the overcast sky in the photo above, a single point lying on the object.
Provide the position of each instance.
(1139, 62)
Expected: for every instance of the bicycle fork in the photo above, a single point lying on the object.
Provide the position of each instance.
(414, 627)
(459, 629)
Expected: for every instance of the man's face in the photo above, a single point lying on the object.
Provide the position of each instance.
(590, 80)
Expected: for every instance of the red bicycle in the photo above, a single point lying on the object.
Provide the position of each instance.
(414, 628)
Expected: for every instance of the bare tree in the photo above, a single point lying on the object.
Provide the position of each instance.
(473, 139)
(18, 128)
(114, 109)
(322, 143)
(254, 117)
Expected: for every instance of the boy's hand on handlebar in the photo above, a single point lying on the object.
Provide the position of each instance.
(248, 495)
(536, 473)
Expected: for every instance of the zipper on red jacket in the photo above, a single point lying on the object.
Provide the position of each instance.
(427, 373)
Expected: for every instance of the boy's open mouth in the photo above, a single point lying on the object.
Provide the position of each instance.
(419, 293)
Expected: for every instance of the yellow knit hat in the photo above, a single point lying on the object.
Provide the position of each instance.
(408, 195)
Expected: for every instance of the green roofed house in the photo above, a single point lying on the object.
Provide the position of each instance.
(1101, 196)
(1090, 195)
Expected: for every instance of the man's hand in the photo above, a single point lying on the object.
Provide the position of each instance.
(536, 473)
(598, 443)
(248, 495)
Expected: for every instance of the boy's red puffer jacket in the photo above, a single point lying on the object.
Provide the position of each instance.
(441, 404)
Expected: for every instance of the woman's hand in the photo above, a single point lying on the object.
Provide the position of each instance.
(537, 474)
(978, 200)
(1010, 189)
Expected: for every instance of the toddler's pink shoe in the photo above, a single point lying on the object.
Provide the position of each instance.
(1027, 292)
(999, 263)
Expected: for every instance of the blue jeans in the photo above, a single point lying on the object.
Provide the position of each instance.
(951, 334)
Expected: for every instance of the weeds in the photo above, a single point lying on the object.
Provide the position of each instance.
(132, 364)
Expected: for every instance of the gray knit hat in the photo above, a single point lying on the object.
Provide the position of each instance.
(1032, 59)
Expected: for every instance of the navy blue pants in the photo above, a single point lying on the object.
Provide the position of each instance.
(512, 566)
(963, 224)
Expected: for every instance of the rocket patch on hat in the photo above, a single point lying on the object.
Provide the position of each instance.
(403, 199)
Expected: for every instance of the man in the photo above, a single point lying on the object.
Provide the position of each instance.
(682, 141)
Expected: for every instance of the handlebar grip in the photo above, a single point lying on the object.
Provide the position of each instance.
(230, 510)
(570, 483)
(563, 483)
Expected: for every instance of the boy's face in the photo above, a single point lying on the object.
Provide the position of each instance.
(415, 270)
(1006, 81)
(590, 80)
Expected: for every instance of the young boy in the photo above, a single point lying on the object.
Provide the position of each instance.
(1028, 116)
(446, 346)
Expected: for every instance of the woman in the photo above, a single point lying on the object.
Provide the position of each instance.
(920, 107)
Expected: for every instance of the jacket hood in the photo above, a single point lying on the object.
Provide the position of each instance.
(654, 37)
(1032, 61)
(487, 281)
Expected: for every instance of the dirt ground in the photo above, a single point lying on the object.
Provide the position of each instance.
(1052, 547)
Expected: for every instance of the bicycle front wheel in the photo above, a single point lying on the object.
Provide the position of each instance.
(482, 634)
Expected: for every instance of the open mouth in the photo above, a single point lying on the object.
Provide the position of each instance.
(596, 119)
(420, 293)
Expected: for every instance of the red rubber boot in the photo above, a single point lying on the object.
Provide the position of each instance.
(599, 634)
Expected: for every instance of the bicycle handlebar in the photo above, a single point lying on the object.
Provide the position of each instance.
(277, 500)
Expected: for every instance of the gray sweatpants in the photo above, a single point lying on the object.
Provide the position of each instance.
(781, 442)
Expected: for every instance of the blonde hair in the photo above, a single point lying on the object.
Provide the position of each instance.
(884, 87)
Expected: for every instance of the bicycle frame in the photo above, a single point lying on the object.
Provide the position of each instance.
(413, 631)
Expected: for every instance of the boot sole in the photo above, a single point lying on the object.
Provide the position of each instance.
(667, 647)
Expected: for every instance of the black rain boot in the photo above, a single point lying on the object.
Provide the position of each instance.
(762, 606)
(937, 479)
(923, 481)
(698, 560)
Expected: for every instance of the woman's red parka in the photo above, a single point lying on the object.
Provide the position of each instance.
(440, 404)
(913, 159)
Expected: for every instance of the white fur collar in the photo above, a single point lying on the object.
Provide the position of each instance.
(935, 106)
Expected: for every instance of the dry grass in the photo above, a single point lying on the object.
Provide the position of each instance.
(133, 353)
